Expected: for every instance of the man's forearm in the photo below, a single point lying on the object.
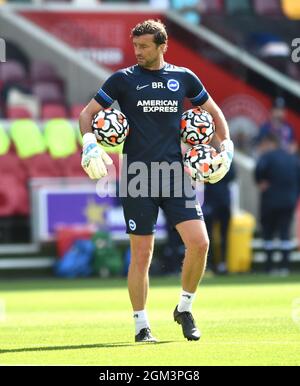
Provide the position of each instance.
(222, 130)
(87, 115)
(85, 122)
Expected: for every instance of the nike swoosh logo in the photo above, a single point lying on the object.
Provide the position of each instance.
(186, 296)
(141, 87)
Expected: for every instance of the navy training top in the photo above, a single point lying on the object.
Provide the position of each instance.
(152, 101)
(282, 171)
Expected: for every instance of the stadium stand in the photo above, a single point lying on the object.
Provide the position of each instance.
(13, 193)
(48, 92)
(248, 25)
(18, 99)
(30, 88)
(237, 6)
(213, 7)
(53, 110)
(12, 71)
(42, 71)
(267, 7)
(41, 165)
(13, 197)
(17, 113)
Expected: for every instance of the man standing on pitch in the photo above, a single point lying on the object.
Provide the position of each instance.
(151, 95)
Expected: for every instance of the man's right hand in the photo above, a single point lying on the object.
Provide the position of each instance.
(94, 158)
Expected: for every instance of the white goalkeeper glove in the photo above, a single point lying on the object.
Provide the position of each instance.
(94, 158)
(223, 159)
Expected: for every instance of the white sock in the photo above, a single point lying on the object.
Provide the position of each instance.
(186, 301)
(141, 320)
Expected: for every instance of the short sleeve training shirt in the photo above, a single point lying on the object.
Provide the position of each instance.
(153, 104)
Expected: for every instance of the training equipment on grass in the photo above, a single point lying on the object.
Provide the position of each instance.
(110, 127)
(199, 162)
(197, 127)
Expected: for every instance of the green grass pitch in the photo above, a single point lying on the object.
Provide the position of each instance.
(245, 320)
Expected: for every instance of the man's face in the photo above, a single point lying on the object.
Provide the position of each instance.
(146, 51)
(278, 114)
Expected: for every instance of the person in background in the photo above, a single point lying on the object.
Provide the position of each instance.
(190, 9)
(279, 126)
(217, 209)
(277, 175)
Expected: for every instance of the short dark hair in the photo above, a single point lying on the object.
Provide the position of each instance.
(152, 27)
(279, 103)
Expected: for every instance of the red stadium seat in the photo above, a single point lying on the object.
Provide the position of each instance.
(10, 164)
(54, 110)
(267, 7)
(13, 197)
(48, 92)
(71, 166)
(12, 71)
(42, 71)
(17, 113)
(41, 165)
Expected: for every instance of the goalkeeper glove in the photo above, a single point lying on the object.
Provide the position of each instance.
(223, 160)
(94, 158)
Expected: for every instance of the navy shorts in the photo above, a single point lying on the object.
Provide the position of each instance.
(141, 212)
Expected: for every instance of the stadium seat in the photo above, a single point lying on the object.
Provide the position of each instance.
(12, 71)
(10, 164)
(17, 113)
(13, 197)
(213, 7)
(238, 6)
(17, 98)
(76, 110)
(41, 165)
(60, 138)
(22, 86)
(48, 92)
(71, 166)
(53, 110)
(27, 138)
(267, 7)
(42, 71)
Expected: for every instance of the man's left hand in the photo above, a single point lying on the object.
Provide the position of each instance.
(223, 159)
